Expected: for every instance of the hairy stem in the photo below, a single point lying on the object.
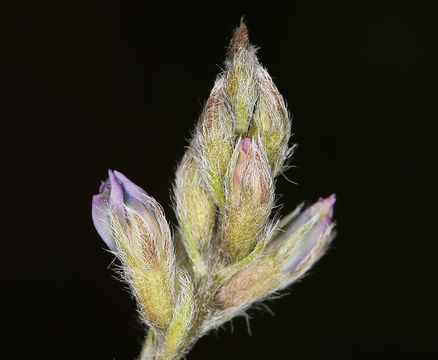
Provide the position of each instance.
(205, 289)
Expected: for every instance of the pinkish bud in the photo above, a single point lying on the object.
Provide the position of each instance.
(249, 199)
(243, 149)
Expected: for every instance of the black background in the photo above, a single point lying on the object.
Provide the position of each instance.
(94, 85)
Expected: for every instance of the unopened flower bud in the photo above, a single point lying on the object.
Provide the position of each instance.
(271, 122)
(251, 283)
(214, 141)
(240, 81)
(132, 224)
(195, 208)
(249, 199)
(243, 149)
(305, 239)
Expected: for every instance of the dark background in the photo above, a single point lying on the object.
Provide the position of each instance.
(94, 85)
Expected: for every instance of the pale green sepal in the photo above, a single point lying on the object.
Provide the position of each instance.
(181, 322)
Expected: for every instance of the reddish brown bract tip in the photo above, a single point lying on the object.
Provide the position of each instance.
(240, 40)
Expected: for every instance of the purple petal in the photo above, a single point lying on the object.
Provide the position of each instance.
(323, 208)
(116, 198)
(246, 144)
(116, 193)
(102, 187)
(134, 196)
(99, 213)
(307, 244)
(131, 189)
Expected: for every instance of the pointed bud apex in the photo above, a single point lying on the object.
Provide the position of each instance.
(240, 82)
(239, 42)
(132, 224)
(322, 209)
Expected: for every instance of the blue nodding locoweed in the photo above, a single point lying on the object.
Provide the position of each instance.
(234, 253)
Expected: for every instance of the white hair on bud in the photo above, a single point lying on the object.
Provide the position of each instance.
(314, 256)
(271, 122)
(241, 89)
(145, 247)
(248, 203)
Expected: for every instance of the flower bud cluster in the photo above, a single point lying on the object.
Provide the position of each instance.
(224, 196)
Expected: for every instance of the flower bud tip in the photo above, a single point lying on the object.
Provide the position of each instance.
(240, 38)
(101, 187)
(243, 149)
(246, 143)
(326, 206)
